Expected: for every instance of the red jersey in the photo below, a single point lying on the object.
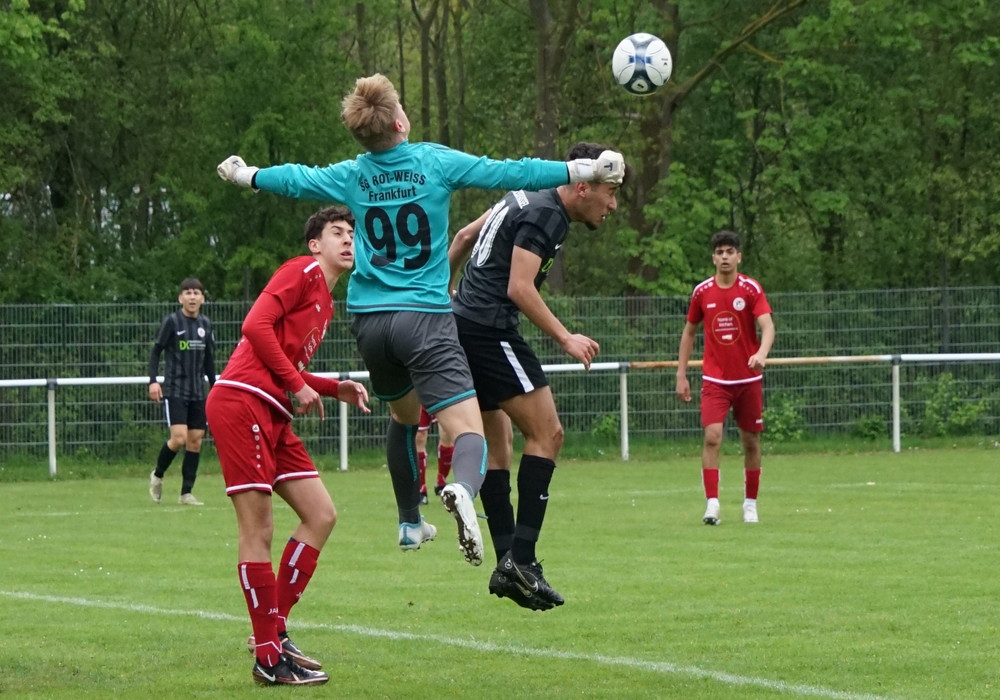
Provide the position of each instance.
(281, 334)
(730, 327)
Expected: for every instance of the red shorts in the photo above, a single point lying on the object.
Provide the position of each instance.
(746, 401)
(256, 446)
(426, 419)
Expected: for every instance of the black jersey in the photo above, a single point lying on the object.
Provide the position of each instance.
(535, 221)
(190, 348)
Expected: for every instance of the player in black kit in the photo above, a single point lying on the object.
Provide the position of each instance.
(512, 248)
(186, 336)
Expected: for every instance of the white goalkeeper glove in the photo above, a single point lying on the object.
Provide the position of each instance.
(609, 167)
(234, 170)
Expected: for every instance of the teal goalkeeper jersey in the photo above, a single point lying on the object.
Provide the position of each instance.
(400, 199)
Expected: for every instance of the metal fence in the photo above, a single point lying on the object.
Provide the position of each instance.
(117, 421)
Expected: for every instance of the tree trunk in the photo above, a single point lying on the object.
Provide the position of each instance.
(401, 87)
(656, 125)
(551, 36)
(459, 131)
(425, 23)
(440, 46)
(364, 50)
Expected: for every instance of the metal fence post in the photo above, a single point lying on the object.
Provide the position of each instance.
(896, 359)
(343, 435)
(51, 386)
(623, 392)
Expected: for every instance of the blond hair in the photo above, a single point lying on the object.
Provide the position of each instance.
(369, 112)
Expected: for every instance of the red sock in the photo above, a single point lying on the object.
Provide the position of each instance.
(298, 562)
(752, 477)
(445, 453)
(257, 582)
(710, 478)
(422, 467)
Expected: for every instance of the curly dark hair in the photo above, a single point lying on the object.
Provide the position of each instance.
(316, 222)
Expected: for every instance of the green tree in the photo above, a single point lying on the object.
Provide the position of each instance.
(869, 147)
(851, 142)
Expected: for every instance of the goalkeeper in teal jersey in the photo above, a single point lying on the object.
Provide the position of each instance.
(404, 194)
(400, 194)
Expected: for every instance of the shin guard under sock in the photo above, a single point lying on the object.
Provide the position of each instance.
(163, 460)
(751, 483)
(469, 461)
(445, 454)
(189, 470)
(710, 479)
(495, 497)
(257, 582)
(401, 458)
(298, 562)
(533, 477)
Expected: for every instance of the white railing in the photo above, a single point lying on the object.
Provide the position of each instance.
(621, 367)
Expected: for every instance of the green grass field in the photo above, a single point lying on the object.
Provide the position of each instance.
(869, 576)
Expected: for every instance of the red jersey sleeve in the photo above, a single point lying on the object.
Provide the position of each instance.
(696, 312)
(259, 330)
(760, 305)
(322, 385)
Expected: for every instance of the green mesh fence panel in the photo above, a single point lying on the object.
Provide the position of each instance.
(120, 422)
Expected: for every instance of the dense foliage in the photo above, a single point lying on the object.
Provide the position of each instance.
(852, 142)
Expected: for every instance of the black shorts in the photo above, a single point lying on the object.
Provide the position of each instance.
(503, 365)
(406, 350)
(189, 413)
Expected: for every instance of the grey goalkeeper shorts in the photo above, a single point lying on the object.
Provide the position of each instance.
(406, 350)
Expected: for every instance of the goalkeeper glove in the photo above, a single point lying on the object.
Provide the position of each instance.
(234, 170)
(609, 167)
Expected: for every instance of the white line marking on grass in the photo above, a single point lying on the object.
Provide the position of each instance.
(662, 667)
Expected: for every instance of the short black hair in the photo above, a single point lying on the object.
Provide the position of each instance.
(318, 221)
(725, 238)
(586, 149)
(192, 283)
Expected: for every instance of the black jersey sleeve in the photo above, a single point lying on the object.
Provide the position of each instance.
(163, 338)
(209, 359)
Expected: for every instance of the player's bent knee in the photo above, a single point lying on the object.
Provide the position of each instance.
(557, 438)
(321, 521)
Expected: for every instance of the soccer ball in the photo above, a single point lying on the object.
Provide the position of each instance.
(641, 63)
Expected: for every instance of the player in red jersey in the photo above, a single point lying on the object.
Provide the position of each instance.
(251, 417)
(732, 306)
(445, 450)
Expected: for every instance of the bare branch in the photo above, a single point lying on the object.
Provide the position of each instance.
(780, 9)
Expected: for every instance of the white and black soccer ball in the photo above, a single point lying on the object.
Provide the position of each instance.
(641, 63)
